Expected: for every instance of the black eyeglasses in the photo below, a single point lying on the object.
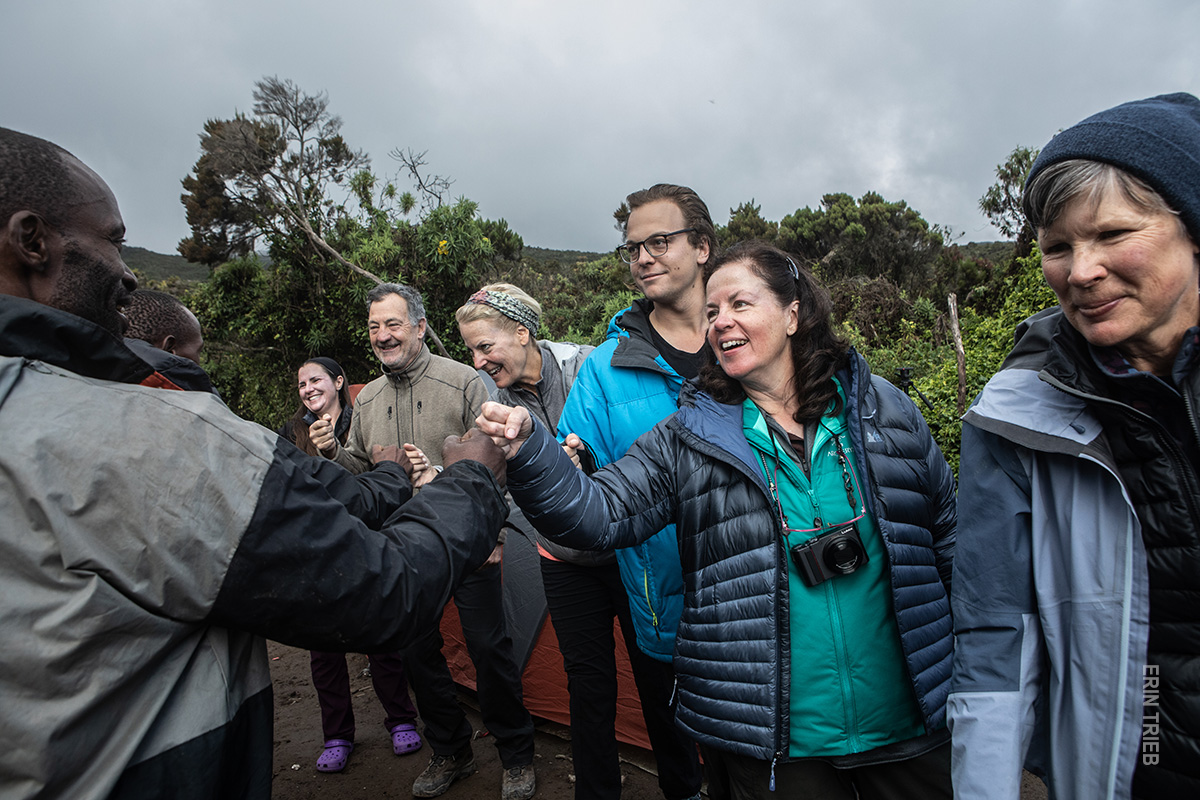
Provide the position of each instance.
(656, 245)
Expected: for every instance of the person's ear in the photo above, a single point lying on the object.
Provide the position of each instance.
(29, 237)
(703, 251)
(421, 329)
(168, 344)
(523, 335)
(339, 383)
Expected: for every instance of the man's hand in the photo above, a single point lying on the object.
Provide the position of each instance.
(508, 427)
(475, 446)
(571, 446)
(391, 452)
(423, 470)
(320, 433)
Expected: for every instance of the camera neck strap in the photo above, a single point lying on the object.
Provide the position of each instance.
(848, 481)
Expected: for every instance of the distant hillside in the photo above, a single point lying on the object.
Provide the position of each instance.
(996, 252)
(158, 266)
(542, 255)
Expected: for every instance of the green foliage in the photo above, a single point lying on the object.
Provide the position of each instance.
(160, 266)
(987, 340)
(287, 169)
(577, 299)
(1001, 203)
(870, 238)
(746, 222)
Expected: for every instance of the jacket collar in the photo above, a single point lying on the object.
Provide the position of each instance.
(37, 332)
(414, 371)
(631, 329)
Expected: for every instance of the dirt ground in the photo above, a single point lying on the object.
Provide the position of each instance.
(375, 772)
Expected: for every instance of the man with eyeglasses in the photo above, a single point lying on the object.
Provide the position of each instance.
(628, 384)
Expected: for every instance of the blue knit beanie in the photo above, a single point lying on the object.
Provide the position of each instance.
(1157, 140)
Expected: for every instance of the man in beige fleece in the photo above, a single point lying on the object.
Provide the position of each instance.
(420, 400)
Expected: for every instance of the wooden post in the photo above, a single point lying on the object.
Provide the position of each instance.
(959, 355)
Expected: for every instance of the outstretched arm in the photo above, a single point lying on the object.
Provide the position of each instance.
(309, 573)
(621, 505)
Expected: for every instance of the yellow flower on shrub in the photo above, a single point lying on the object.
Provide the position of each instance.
(443, 247)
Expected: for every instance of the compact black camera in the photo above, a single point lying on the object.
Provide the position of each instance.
(838, 551)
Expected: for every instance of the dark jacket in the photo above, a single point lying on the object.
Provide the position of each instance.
(151, 538)
(185, 374)
(696, 469)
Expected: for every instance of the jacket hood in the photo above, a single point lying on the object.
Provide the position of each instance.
(1019, 404)
(38, 332)
(634, 321)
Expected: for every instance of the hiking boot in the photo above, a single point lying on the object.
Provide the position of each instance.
(443, 771)
(518, 783)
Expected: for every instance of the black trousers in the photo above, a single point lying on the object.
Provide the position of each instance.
(734, 777)
(583, 602)
(332, 682)
(498, 677)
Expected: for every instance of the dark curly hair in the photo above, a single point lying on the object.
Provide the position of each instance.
(817, 351)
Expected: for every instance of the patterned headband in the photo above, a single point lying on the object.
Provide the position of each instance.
(509, 306)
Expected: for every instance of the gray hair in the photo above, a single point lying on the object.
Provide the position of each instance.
(410, 296)
(1058, 185)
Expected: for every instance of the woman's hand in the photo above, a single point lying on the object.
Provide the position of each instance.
(508, 427)
(422, 470)
(320, 433)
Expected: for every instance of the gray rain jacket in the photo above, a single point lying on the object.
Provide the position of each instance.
(150, 538)
(1051, 605)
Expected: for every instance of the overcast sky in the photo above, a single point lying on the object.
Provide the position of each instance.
(549, 113)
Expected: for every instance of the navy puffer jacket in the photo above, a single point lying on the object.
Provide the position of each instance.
(697, 469)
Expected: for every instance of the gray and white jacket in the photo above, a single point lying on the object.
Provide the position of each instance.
(151, 539)
(1051, 604)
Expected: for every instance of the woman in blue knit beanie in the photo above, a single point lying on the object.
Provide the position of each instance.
(1077, 574)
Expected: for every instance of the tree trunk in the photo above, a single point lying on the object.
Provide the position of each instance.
(959, 355)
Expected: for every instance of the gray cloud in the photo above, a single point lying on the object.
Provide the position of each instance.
(548, 114)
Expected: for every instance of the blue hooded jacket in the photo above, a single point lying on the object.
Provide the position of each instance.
(623, 389)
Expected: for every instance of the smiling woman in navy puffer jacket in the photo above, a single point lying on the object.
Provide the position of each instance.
(816, 520)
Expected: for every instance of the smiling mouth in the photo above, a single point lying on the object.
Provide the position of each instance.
(732, 344)
(494, 372)
(1093, 308)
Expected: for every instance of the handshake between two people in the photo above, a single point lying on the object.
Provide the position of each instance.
(471, 446)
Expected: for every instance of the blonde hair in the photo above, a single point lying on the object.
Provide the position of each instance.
(478, 308)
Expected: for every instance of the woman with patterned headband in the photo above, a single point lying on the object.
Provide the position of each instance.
(583, 589)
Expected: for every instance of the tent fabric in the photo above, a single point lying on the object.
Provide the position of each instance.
(543, 679)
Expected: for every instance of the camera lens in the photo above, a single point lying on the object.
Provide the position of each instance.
(843, 555)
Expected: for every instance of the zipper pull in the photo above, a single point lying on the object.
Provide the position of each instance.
(774, 758)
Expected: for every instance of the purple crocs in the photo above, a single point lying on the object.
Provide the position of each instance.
(337, 753)
(405, 739)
